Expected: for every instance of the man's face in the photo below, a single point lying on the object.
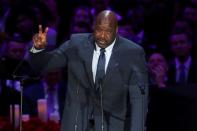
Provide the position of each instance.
(180, 45)
(104, 33)
(157, 60)
(16, 50)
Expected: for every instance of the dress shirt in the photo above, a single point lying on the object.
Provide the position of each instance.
(96, 54)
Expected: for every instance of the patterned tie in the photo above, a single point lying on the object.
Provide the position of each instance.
(100, 72)
(182, 76)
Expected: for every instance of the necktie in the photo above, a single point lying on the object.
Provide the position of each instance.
(182, 74)
(100, 72)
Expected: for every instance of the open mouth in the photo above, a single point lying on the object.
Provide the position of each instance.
(101, 42)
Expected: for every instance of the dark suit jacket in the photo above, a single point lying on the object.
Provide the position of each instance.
(191, 75)
(125, 83)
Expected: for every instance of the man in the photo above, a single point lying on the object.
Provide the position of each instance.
(182, 68)
(12, 64)
(111, 101)
(158, 67)
(14, 53)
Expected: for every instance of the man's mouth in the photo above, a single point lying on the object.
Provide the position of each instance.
(101, 42)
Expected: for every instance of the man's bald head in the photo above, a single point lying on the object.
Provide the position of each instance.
(107, 16)
(105, 28)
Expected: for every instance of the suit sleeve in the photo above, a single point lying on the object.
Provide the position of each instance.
(43, 61)
(138, 91)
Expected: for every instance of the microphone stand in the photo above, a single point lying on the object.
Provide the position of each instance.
(142, 90)
(21, 107)
(22, 79)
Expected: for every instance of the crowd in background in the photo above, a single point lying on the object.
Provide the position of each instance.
(166, 29)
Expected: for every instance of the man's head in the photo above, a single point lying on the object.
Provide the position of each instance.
(157, 59)
(82, 14)
(16, 50)
(15, 47)
(105, 28)
(180, 45)
(190, 13)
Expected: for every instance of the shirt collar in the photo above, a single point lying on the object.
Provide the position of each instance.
(186, 63)
(107, 49)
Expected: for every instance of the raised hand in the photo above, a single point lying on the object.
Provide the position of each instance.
(160, 75)
(40, 39)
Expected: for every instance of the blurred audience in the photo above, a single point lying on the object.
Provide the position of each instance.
(52, 88)
(4, 11)
(82, 14)
(182, 68)
(12, 61)
(80, 27)
(81, 21)
(189, 14)
(158, 67)
(126, 30)
(99, 5)
(13, 69)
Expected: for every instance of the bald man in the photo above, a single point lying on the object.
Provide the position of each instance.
(107, 77)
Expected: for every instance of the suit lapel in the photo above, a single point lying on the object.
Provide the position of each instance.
(87, 54)
(113, 63)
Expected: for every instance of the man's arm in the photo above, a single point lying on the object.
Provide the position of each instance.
(138, 90)
(42, 61)
(34, 50)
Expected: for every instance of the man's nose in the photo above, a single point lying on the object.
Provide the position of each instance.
(102, 34)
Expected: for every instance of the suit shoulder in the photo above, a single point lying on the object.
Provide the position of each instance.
(77, 39)
(130, 44)
(80, 36)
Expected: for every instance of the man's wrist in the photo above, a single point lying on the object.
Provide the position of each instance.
(34, 50)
